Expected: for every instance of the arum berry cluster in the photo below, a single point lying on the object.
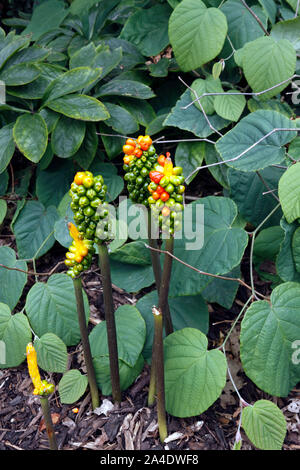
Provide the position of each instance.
(140, 156)
(166, 188)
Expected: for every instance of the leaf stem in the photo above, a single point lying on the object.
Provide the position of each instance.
(110, 322)
(48, 423)
(85, 343)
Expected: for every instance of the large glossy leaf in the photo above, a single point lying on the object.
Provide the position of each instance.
(70, 82)
(20, 74)
(192, 25)
(33, 229)
(194, 376)
(130, 341)
(247, 190)
(11, 47)
(285, 261)
(31, 136)
(12, 282)
(131, 277)
(46, 17)
(121, 120)
(15, 333)
(148, 29)
(133, 253)
(204, 243)
(190, 155)
(129, 88)
(53, 182)
(267, 336)
(192, 119)
(87, 151)
(51, 308)
(289, 193)
(78, 106)
(7, 146)
(67, 136)
(187, 311)
(264, 424)
(246, 142)
(267, 62)
(242, 26)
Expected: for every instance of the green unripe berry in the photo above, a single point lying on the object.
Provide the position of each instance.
(170, 188)
(91, 194)
(89, 212)
(177, 170)
(84, 202)
(81, 190)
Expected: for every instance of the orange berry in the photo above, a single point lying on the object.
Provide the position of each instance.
(138, 152)
(78, 258)
(127, 159)
(144, 145)
(161, 160)
(78, 179)
(155, 195)
(159, 189)
(140, 138)
(128, 149)
(164, 196)
(147, 139)
(131, 142)
(150, 189)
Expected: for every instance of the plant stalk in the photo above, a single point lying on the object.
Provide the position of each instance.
(48, 423)
(110, 322)
(86, 344)
(158, 363)
(155, 258)
(164, 287)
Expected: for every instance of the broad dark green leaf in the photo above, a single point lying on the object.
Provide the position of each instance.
(87, 151)
(72, 386)
(121, 120)
(70, 82)
(268, 333)
(192, 119)
(20, 74)
(67, 136)
(31, 136)
(130, 341)
(148, 29)
(247, 190)
(194, 376)
(128, 88)
(12, 281)
(51, 353)
(46, 17)
(51, 308)
(15, 334)
(7, 146)
(33, 229)
(53, 182)
(75, 106)
(188, 311)
(246, 146)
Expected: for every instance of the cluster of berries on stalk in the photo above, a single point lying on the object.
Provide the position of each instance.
(91, 216)
(166, 188)
(140, 156)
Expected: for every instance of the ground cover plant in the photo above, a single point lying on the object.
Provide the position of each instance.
(151, 149)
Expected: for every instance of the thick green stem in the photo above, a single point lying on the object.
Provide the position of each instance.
(48, 423)
(86, 344)
(164, 287)
(110, 322)
(155, 258)
(159, 373)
